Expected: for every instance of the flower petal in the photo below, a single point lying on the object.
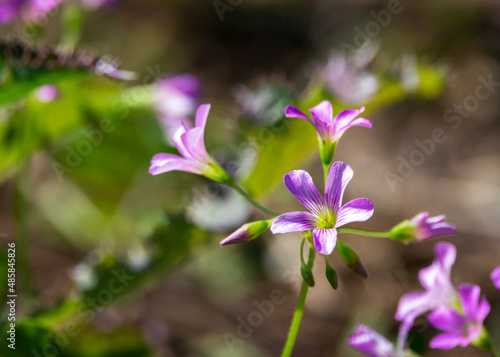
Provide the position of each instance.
(413, 304)
(358, 122)
(201, 116)
(357, 210)
(323, 112)
(446, 341)
(177, 140)
(495, 277)
(371, 343)
(437, 276)
(345, 117)
(292, 112)
(473, 309)
(325, 240)
(193, 142)
(161, 163)
(301, 185)
(338, 177)
(293, 222)
(448, 320)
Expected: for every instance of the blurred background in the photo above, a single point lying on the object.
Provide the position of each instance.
(112, 261)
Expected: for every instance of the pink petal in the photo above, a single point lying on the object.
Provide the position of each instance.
(325, 240)
(446, 341)
(202, 115)
(161, 163)
(193, 142)
(301, 185)
(357, 210)
(338, 177)
(292, 112)
(177, 140)
(495, 277)
(475, 311)
(293, 222)
(448, 320)
(323, 112)
(371, 343)
(414, 304)
(345, 117)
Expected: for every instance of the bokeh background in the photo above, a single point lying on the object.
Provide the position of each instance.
(79, 224)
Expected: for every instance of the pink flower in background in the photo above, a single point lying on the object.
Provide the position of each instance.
(326, 214)
(47, 93)
(194, 156)
(371, 343)
(176, 98)
(29, 10)
(422, 227)
(495, 277)
(460, 328)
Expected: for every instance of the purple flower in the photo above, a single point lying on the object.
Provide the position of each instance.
(422, 227)
(460, 329)
(327, 214)
(176, 99)
(195, 158)
(438, 289)
(495, 277)
(371, 343)
(29, 10)
(247, 232)
(47, 93)
(330, 129)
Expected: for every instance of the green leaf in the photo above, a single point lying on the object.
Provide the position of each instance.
(351, 259)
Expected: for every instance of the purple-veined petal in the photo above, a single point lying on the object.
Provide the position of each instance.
(322, 113)
(301, 185)
(345, 117)
(437, 230)
(338, 177)
(177, 140)
(357, 210)
(325, 240)
(193, 142)
(448, 320)
(371, 343)
(201, 116)
(293, 222)
(358, 122)
(292, 112)
(495, 277)
(446, 341)
(161, 163)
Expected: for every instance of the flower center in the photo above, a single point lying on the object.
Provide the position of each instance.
(327, 221)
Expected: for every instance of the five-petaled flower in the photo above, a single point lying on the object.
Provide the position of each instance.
(195, 158)
(460, 328)
(329, 128)
(327, 214)
(439, 290)
(495, 277)
(371, 343)
(422, 227)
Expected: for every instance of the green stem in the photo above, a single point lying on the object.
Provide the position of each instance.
(364, 232)
(326, 169)
(299, 311)
(486, 343)
(249, 199)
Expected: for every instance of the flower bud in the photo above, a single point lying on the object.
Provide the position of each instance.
(247, 232)
(422, 227)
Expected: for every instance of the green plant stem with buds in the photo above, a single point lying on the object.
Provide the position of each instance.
(364, 232)
(299, 310)
(250, 199)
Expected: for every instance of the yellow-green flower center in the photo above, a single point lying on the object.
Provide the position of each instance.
(327, 221)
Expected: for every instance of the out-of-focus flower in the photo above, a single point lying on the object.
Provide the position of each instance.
(194, 156)
(495, 277)
(47, 93)
(330, 129)
(460, 329)
(28, 10)
(371, 343)
(176, 98)
(439, 290)
(422, 227)
(327, 214)
(348, 80)
(247, 232)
